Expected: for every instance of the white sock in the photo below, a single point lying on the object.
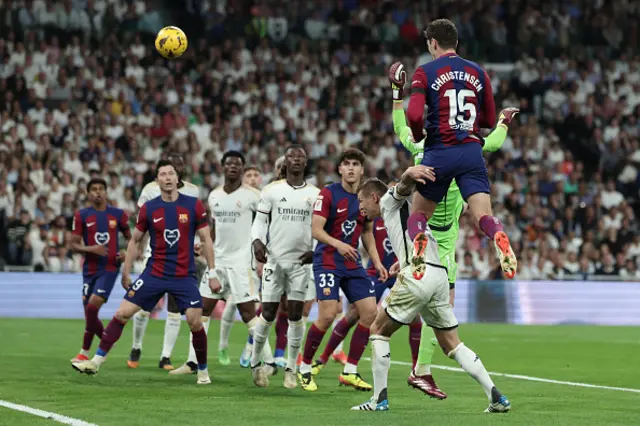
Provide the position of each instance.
(380, 364)
(305, 368)
(192, 352)
(294, 342)
(350, 368)
(260, 337)
(85, 353)
(140, 322)
(98, 360)
(171, 332)
(226, 322)
(470, 362)
(338, 348)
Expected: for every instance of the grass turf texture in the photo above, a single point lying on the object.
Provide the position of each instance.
(37, 373)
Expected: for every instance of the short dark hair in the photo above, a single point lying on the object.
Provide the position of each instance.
(444, 32)
(163, 163)
(229, 154)
(295, 146)
(96, 181)
(373, 186)
(352, 154)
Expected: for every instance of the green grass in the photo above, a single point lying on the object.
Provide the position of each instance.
(37, 373)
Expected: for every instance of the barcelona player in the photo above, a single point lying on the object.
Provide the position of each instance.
(338, 224)
(459, 98)
(95, 234)
(172, 221)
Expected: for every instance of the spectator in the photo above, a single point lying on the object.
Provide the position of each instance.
(19, 251)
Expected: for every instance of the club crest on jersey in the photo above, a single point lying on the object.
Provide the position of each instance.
(238, 204)
(171, 236)
(183, 218)
(113, 223)
(102, 238)
(348, 227)
(387, 246)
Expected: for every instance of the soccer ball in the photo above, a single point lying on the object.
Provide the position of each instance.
(171, 42)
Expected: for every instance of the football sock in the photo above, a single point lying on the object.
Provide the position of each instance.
(356, 348)
(110, 336)
(314, 338)
(93, 326)
(192, 353)
(415, 330)
(471, 363)
(380, 364)
(171, 333)
(416, 224)
(140, 322)
(295, 333)
(490, 225)
(282, 324)
(425, 355)
(200, 347)
(340, 331)
(226, 322)
(260, 336)
(339, 317)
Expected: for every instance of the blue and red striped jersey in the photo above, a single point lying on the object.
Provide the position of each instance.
(459, 101)
(383, 247)
(172, 229)
(345, 222)
(101, 227)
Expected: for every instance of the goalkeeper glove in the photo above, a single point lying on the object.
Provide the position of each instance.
(397, 78)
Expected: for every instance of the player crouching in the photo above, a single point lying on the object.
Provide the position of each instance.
(428, 296)
(172, 220)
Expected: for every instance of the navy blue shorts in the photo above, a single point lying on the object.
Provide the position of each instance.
(464, 163)
(355, 284)
(99, 284)
(147, 290)
(382, 286)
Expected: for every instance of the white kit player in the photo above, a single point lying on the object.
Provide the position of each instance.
(428, 296)
(284, 213)
(174, 319)
(233, 207)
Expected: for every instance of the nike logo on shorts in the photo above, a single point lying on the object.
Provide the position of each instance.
(195, 302)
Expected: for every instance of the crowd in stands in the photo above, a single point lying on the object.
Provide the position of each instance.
(83, 93)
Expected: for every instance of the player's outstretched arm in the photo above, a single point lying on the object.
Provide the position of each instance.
(419, 173)
(495, 140)
(369, 243)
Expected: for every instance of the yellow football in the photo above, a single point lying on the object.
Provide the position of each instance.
(171, 42)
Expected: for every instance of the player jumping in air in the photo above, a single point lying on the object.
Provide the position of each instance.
(337, 224)
(95, 234)
(172, 221)
(233, 207)
(427, 296)
(174, 319)
(460, 102)
(285, 211)
(444, 225)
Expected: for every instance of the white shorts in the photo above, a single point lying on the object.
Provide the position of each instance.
(240, 284)
(290, 278)
(311, 288)
(428, 297)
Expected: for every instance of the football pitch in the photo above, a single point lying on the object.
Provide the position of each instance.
(37, 374)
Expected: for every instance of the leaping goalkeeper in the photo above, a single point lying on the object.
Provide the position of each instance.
(444, 225)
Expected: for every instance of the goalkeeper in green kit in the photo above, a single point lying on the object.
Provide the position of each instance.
(444, 226)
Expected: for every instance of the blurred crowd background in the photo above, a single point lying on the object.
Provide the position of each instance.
(83, 93)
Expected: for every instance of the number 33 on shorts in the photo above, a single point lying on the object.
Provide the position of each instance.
(325, 283)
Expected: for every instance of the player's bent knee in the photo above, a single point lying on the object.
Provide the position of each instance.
(269, 311)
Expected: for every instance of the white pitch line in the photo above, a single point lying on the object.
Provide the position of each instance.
(528, 378)
(45, 414)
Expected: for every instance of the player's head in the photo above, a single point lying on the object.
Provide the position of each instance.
(351, 165)
(252, 177)
(369, 195)
(177, 161)
(97, 191)
(441, 36)
(295, 161)
(167, 176)
(233, 165)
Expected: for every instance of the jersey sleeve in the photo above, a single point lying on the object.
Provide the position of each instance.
(415, 112)
(142, 224)
(488, 116)
(392, 200)
(124, 225)
(265, 203)
(77, 226)
(201, 215)
(322, 206)
(144, 196)
(255, 201)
